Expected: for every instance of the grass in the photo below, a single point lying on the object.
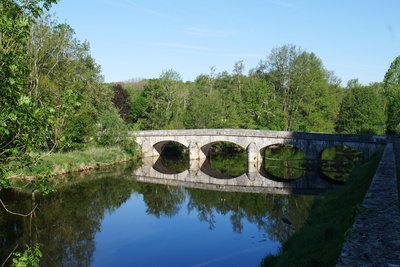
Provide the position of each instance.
(320, 241)
(90, 158)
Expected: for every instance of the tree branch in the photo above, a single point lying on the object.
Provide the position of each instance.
(16, 213)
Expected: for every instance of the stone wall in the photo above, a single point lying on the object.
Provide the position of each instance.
(374, 239)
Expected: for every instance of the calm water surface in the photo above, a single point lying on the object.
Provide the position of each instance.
(107, 218)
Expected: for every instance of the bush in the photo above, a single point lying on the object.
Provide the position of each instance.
(113, 131)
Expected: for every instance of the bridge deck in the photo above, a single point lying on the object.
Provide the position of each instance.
(363, 138)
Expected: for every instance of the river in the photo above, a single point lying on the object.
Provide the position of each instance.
(110, 217)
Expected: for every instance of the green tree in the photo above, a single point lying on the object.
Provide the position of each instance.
(391, 84)
(312, 102)
(166, 100)
(63, 75)
(361, 111)
(23, 122)
(301, 86)
(260, 108)
(204, 109)
(138, 106)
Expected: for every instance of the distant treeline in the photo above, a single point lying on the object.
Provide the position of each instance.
(289, 90)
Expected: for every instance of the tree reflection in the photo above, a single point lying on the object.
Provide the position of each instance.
(161, 200)
(66, 222)
(284, 161)
(278, 215)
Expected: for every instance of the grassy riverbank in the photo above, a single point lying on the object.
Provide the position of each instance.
(75, 161)
(319, 242)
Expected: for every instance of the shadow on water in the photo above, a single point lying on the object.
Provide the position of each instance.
(338, 162)
(66, 222)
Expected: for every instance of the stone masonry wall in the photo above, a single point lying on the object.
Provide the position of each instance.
(374, 239)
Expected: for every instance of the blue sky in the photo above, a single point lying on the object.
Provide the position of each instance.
(140, 39)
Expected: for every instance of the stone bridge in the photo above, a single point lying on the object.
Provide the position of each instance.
(199, 141)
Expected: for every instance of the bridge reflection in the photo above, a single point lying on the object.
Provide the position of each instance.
(256, 180)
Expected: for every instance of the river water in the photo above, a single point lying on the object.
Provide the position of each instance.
(108, 218)
(111, 217)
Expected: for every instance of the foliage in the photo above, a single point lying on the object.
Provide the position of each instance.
(361, 111)
(121, 101)
(393, 111)
(29, 258)
(291, 90)
(112, 129)
(391, 84)
(52, 94)
(24, 122)
(65, 76)
(114, 132)
(165, 102)
(138, 106)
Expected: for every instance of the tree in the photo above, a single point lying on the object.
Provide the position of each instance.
(204, 109)
(361, 111)
(312, 107)
(64, 76)
(261, 108)
(301, 86)
(23, 122)
(166, 100)
(121, 101)
(392, 76)
(391, 84)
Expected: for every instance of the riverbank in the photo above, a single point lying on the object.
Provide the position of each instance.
(320, 241)
(75, 161)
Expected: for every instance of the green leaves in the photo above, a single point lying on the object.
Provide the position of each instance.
(361, 111)
(29, 258)
(391, 84)
(23, 121)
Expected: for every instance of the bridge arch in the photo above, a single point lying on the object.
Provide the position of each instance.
(160, 145)
(206, 148)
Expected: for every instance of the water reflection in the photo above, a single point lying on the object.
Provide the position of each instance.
(225, 166)
(67, 223)
(284, 162)
(337, 162)
(281, 162)
(64, 223)
(173, 159)
(225, 160)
